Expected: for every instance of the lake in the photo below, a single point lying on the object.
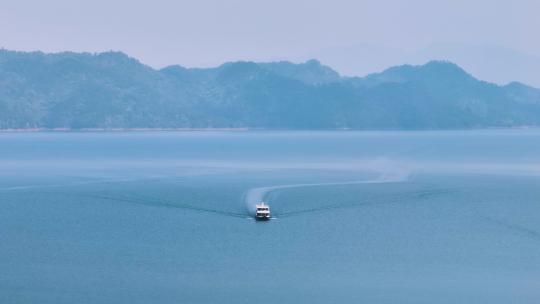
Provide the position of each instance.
(358, 217)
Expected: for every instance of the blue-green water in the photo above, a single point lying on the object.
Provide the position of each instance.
(363, 217)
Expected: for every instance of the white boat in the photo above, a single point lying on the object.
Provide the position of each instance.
(262, 212)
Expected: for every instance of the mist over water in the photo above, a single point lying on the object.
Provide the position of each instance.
(375, 217)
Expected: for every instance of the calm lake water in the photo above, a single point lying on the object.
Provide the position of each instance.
(359, 217)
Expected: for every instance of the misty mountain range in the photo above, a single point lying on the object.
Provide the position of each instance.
(491, 63)
(112, 90)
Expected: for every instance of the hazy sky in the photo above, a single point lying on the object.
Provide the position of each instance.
(209, 32)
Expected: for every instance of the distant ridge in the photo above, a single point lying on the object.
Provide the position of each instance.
(114, 91)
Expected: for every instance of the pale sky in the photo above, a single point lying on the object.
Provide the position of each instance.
(355, 37)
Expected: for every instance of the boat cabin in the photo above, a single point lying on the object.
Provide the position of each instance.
(262, 211)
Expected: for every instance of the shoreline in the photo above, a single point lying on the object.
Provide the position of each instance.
(246, 129)
(36, 130)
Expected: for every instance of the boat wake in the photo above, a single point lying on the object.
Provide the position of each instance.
(256, 195)
(259, 194)
(156, 202)
(398, 198)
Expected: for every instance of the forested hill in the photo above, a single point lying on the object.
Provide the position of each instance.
(112, 90)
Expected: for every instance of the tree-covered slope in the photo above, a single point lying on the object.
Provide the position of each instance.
(112, 90)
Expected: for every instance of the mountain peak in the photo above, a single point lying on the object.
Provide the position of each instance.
(313, 62)
(443, 66)
(309, 72)
(434, 70)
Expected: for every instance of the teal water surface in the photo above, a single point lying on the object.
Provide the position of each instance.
(363, 217)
